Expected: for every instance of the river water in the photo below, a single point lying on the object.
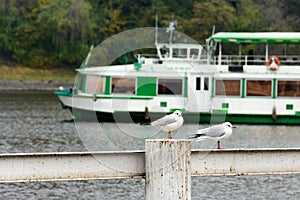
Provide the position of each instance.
(35, 122)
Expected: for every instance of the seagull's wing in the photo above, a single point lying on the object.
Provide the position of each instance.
(168, 119)
(213, 131)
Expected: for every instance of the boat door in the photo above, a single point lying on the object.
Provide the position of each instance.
(199, 93)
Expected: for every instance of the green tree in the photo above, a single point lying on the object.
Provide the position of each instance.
(274, 18)
(45, 33)
(9, 20)
(69, 27)
(249, 16)
(291, 8)
(207, 14)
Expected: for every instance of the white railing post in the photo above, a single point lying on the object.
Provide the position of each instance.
(220, 54)
(168, 169)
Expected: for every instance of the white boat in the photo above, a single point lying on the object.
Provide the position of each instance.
(207, 83)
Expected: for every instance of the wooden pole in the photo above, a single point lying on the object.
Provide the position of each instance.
(168, 169)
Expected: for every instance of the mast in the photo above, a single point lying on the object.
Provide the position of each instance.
(171, 28)
(156, 26)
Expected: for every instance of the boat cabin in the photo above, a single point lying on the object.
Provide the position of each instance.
(255, 85)
(180, 52)
(268, 43)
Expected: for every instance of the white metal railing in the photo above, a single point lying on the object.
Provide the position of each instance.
(164, 161)
(254, 60)
(20, 167)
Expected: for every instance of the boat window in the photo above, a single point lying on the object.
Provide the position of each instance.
(194, 53)
(94, 84)
(259, 88)
(202, 86)
(198, 83)
(123, 85)
(288, 89)
(228, 87)
(79, 83)
(170, 86)
(164, 51)
(206, 82)
(179, 53)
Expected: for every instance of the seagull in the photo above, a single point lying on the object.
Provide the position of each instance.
(170, 122)
(215, 132)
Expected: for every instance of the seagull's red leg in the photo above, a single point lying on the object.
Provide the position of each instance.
(169, 135)
(219, 145)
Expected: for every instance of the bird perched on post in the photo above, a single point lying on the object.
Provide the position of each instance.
(215, 132)
(170, 122)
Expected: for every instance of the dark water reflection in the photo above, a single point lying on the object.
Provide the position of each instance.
(35, 122)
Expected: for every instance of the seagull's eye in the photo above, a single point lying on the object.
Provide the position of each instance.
(228, 125)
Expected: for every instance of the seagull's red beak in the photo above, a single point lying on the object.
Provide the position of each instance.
(233, 127)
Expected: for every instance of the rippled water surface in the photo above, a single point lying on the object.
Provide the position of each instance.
(35, 122)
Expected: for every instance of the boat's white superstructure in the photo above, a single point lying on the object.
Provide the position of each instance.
(203, 83)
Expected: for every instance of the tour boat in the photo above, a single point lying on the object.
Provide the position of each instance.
(241, 77)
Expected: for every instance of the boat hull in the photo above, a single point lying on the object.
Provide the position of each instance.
(197, 118)
(84, 109)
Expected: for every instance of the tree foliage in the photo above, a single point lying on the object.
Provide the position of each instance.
(49, 33)
(217, 13)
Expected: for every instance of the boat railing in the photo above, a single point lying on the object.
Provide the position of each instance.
(147, 58)
(145, 55)
(254, 60)
(154, 59)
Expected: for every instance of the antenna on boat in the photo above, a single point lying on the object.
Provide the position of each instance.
(156, 26)
(87, 60)
(171, 28)
(212, 33)
(209, 44)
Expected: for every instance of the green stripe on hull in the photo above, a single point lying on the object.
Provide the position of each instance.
(262, 119)
(198, 118)
(123, 97)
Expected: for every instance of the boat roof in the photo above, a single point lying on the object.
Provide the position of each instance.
(178, 45)
(257, 37)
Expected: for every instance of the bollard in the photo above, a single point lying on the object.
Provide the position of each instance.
(168, 169)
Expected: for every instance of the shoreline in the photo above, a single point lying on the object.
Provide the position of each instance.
(33, 85)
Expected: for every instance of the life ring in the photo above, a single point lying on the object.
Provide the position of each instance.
(273, 63)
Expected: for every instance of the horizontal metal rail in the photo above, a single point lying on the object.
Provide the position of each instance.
(22, 167)
(71, 166)
(245, 161)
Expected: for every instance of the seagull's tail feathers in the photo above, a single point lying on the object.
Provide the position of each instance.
(197, 136)
(155, 123)
(201, 138)
(194, 136)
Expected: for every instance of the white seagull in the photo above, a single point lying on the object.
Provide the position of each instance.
(215, 132)
(170, 122)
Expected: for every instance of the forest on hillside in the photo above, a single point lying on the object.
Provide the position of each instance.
(59, 33)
